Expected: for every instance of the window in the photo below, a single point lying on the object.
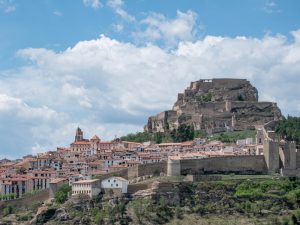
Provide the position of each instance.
(108, 180)
(117, 185)
(115, 181)
(111, 185)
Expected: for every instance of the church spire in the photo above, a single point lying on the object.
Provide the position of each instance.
(79, 135)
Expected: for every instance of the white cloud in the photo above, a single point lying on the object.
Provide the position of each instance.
(270, 7)
(117, 6)
(182, 28)
(110, 87)
(92, 3)
(118, 28)
(57, 13)
(7, 6)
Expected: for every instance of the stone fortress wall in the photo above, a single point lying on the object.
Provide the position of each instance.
(279, 157)
(216, 105)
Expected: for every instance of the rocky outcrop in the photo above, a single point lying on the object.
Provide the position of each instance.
(216, 105)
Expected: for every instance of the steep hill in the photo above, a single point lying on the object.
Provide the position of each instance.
(216, 105)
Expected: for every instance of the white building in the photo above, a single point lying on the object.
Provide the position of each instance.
(77, 177)
(115, 183)
(89, 187)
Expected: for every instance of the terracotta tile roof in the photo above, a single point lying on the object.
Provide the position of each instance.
(86, 181)
(81, 143)
(57, 180)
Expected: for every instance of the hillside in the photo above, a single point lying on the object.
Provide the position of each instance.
(236, 199)
(216, 105)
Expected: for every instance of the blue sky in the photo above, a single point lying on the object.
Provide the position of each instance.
(106, 65)
(60, 24)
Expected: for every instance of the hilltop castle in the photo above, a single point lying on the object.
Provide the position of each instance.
(216, 105)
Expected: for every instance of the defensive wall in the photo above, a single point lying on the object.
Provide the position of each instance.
(278, 157)
(26, 201)
(243, 164)
(138, 171)
(147, 169)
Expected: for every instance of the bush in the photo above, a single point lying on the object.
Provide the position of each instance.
(62, 194)
(99, 217)
(9, 209)
(44, 216)
(289, 128)
(293, 197)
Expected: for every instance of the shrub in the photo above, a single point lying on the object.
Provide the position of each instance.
(62, 194)
(9, 209)
(44, 216)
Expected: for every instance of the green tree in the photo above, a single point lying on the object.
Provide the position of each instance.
(184, 133)
(62, 193)
(158, 137)
(289, 128)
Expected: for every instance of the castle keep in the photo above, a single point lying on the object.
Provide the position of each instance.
(216, 105)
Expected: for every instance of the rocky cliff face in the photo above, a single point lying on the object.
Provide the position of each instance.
(216, 105)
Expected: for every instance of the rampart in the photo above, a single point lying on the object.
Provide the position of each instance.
(26, 201)
(241, 164)
(147, 169)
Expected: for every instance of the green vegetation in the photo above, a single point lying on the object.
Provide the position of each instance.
(45, 216)
(236, 199)
(289, 129)
(266, 188)
(7, 196)
(158, 137)
(232, 137)
(62, 193)
(183, 133)
(9, 209)
(204, 98)
(187, 133)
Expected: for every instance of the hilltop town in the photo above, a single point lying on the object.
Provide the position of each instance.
(90, 169)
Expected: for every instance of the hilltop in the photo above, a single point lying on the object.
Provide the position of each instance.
(214, 106)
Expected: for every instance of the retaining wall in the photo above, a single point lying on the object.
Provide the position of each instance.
(241, 164)
(26, 201)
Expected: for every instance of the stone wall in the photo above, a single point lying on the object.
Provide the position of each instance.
(211, 105)
(242, 164)
(271, 154)
(132, 188)
(119, 173)
(199, 177)
(147, 169)
(26, 201)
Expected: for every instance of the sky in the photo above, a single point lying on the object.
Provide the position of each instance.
(107, 65)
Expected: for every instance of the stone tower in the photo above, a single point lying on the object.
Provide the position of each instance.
(79, 135)
(173, 167)
(271, 153)
(289, 155)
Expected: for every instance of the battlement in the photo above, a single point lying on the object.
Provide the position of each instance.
(217, 83)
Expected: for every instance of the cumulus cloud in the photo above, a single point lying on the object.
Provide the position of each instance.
(109, 87)
(171, 31)
(117, 6)
(92, 3)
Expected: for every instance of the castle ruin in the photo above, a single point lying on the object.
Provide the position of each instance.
(216, 105)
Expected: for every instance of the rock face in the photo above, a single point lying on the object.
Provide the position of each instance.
(216, 105)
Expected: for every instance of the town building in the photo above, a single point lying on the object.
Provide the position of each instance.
(90, 187)
(115, 183)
